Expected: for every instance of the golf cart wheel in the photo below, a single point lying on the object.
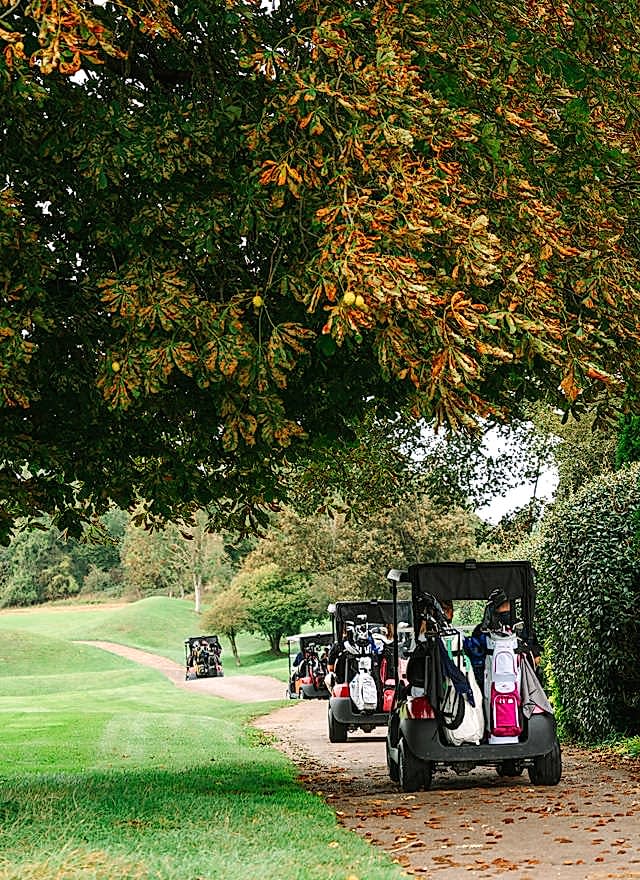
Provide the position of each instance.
(510, 768)
(392, 767)
(413, 773)
(337, 730)
(547, 769)
(302, 695)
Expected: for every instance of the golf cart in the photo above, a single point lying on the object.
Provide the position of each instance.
(508, 722)
(306, 677)
(202, 657)
(364, 671)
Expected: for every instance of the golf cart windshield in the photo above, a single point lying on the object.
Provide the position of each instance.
(376, 612)
(305, 640)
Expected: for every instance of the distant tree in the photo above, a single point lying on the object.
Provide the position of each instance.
(199, 556)
(147, 563)
(347, 558)
(181, 557)
(34, 560)
(43, 565)
(513, 528)
(577, 449)
(59, 581)
(99, 581)
(227, 614)
(582, 448)
(369, 468)
(100, 543)
(277, 602)
(415, 530)
(470, 470)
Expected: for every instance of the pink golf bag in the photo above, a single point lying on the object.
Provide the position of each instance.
(502, 688)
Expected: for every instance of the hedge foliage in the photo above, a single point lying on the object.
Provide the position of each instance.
(588, 563)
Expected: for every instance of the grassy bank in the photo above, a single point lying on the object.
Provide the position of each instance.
(111, 772)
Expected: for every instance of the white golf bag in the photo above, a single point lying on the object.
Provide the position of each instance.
(362, 687)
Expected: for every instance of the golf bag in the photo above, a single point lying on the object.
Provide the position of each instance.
(502, 688)
(362, 687)
(362, 653)
(470, 728)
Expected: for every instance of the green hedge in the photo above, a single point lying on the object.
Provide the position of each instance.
(588, 564)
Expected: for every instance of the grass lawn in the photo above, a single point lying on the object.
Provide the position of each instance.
(110, 772)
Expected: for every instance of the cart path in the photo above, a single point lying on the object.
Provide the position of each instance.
(476, 826)
(239, 688)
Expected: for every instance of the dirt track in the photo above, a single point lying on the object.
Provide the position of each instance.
(586, 828)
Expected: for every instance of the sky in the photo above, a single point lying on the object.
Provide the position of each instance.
(521, 495)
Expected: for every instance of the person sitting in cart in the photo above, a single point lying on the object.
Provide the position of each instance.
(447, 609)
(297, 660)
(299, 667)
(336, 659)
(193, 653)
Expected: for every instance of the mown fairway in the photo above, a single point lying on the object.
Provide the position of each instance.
(109, 771)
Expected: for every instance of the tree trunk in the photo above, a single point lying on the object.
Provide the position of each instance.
(274, 642)
(234, 648)
(197, 590)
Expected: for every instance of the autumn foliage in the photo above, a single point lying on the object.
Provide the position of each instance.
(259, 221)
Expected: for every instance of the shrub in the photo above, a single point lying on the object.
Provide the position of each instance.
(588, 568)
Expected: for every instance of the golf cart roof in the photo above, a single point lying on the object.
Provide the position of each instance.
(317, 638)
(377, 611)
(471, 579)
(193, 639)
